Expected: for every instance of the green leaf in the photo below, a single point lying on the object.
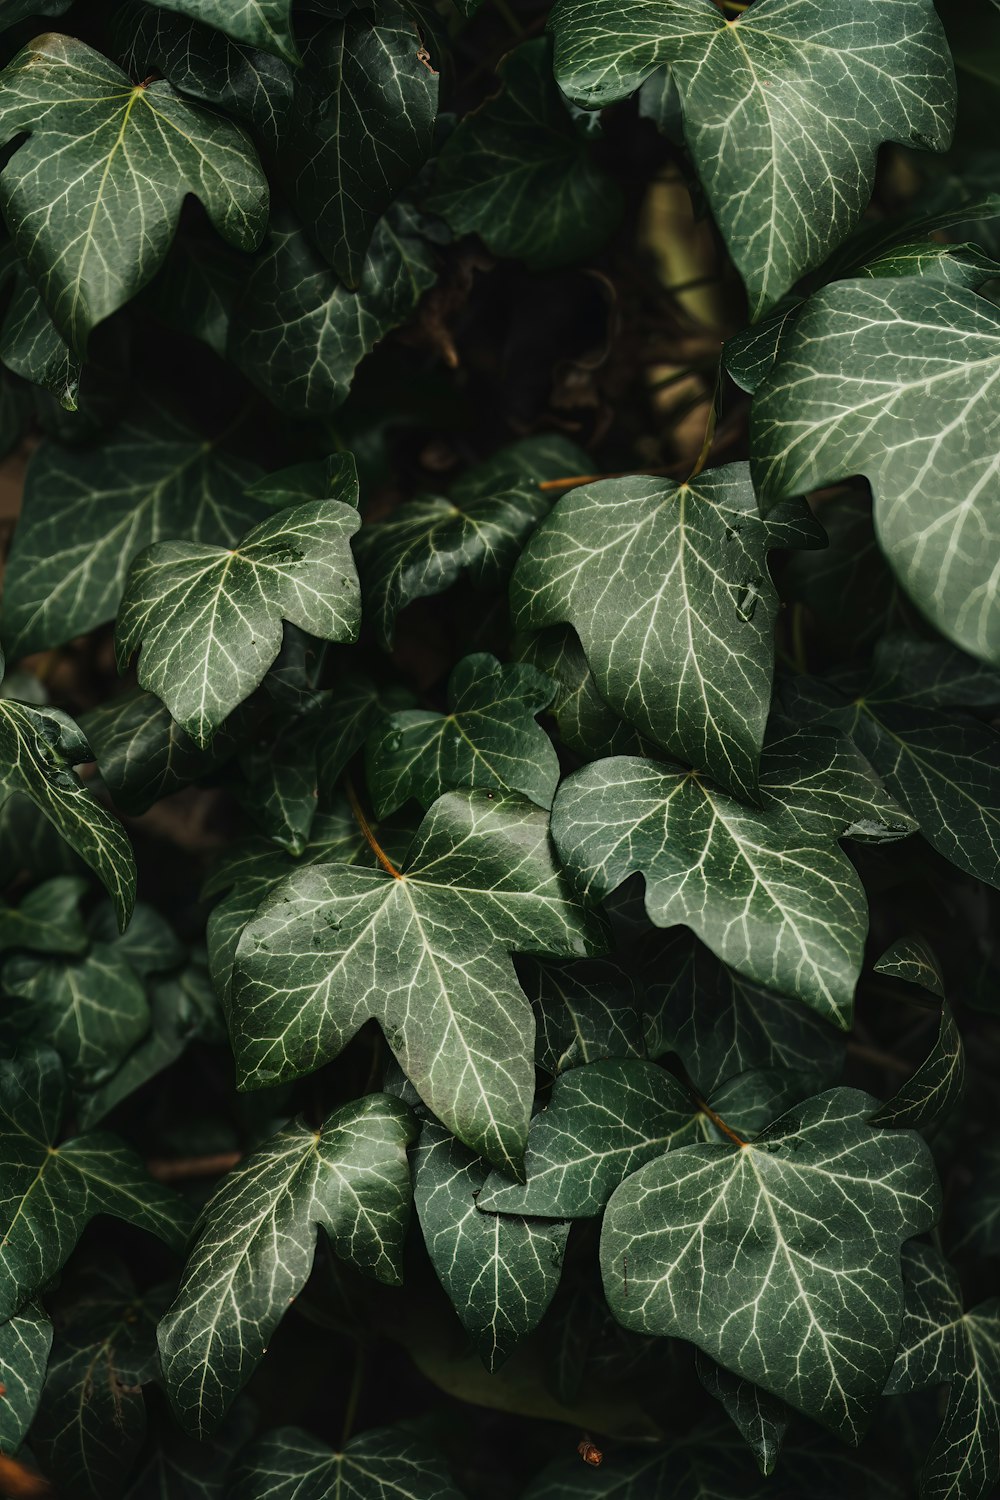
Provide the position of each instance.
(430, 542)
(761, 1420)
(25, 1341)
(357, 706)
(932, 1093)
(88, 512)
(603, 1122)
(768, 891)
(479, 881)
(784, 108)
(584, 1012)
(585, 722)
(258, 23)
(47, 919)
(209, 619)
(257, 1238)
(941, 1344)
(721, 1025)
(892, 380)
(488, 739)
(299, 334)
(520, 172)
(184, 1468)
(779, 1258)
(359, 129)
(384, 1464)
(30, 344)
(51, 1191)
(667, 587)
(500, 1272)
(142, 752)
(91, 1420)
(95, 193)
(38, 749)
(20, 10)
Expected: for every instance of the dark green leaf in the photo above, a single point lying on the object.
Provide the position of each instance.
(51, 1190)
(47, 920)
(488, 739)
(258, 23)
(584, 1012)
(384, 1464)
(931, 1094)
(585, 722)
(780, 1258)
(25, 1341)
(500, 1272)
(479, 881)
(257, 1239)
(142, 752)
(521, 174)
(760, 1419)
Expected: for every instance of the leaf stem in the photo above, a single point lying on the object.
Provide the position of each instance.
(719, 1122)
(177, 1170)
(353, 1395)
(369, 832)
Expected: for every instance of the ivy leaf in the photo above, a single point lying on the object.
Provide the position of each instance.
(479, 881)
(759, 1418)
(95, 193)
(941, 1344)
(88, 512)
(257, 1238)
(931, 1094)
(258, 23)
(603, 1122)
(584, 1011)
(30, 345)
(143, 754)
(47, 920)
(358, 705)
(384, 1464)
(779, 1258)
(20, 10)
(520, 172)
(25, 1341)
(585, 722)
(500, 1272)
(488, 738)
(209, 619)
(768, 891)
(298, 333)
(38, 749)
(360, 127)
(721, 1025)
(91, 1420)
(52, 1191)
(891, 379)
(784, 108)
(667, 587)
(429, 542)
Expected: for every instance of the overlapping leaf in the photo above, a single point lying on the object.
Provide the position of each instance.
(25, 1340)
(941, 1344)
(584, 1011)
(142, 752)
(784, 107)
(479, 881)
(779, 1258)
(895, 380)
(299, 333)
(38, 749)
(359, 129)
(257, 1238)
(488, 739)
(668, 589)
(209, 619)
(52, 1190)
(933, 1091)
(429, 542)
(258, 23)
(19, 10)
(47, 920)
(88, 512)
(384, 1464)
(500, 1272)
(760, 1419)
(586, 723)
(768, 891)
(520, 171)
(95, 193)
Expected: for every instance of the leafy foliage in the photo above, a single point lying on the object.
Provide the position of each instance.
(500, 807)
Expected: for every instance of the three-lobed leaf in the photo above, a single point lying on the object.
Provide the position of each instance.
(383, 1464)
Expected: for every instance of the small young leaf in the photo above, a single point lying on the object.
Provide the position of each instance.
(779, 1258)
(931, 1094)
(500, 1272)
(488, 739)
(209, 620)
(257, 1239)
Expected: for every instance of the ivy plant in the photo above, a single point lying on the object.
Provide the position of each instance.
(500, 749)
